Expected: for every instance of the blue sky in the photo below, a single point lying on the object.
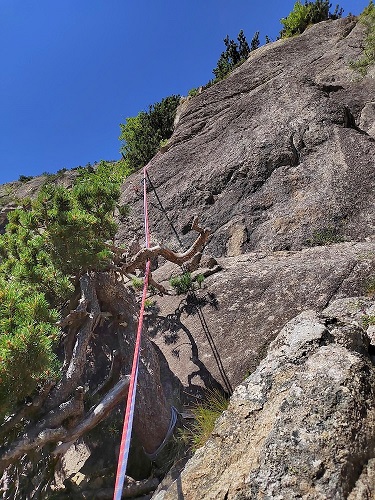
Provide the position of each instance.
(73, 70)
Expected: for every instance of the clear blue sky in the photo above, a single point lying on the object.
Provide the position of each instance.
(73, 70)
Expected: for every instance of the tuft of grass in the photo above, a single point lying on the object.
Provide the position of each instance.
(370, 288)
(368, 320)
(205, 416)
(149, 303)
(325, 236)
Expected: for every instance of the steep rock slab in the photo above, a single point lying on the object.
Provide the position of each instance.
(279, 155)
(247, 303)
(301, 426)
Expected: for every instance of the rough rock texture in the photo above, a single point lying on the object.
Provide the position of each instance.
(247, 303)
(302, 425)
(277, 156)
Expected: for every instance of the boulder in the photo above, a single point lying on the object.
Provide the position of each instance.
(302, 425)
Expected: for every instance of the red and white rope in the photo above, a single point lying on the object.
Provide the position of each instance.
(130, 404)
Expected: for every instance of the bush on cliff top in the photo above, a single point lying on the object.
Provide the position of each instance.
(368, 57)
(141, 135)
(304, 15)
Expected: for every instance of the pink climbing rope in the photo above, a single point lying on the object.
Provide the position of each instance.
(130, 403)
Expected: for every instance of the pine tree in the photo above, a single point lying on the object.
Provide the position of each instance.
(234, 55)
(255, 42)
(47, 246)
(141, 135)
(244, 49)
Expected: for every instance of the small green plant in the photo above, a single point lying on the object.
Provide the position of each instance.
(205, 416)
(370, 288)
(199, 279)
(137, 283)
(163, 143)
(149, 303)
(193, 92)
(182, 284)
(368, 57)
(325, 236)
(368, 320)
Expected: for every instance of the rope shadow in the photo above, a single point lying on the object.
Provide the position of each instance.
(171, 325)
(210, 339)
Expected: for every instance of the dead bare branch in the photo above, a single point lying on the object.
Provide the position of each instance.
(131, 489)
(177, 258)
(45, 432)
(112, 398)
(73, 407)
(74, 317)
(156, 285)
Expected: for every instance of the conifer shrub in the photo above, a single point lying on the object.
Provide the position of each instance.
(141, 135)
(47, 245)
(25, 178)
(306, 14)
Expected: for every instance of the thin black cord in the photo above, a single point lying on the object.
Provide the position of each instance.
(164, 211)
(201, 317)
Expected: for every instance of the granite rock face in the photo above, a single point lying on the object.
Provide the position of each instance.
(302, 425)
(246, 303)
(278, 156)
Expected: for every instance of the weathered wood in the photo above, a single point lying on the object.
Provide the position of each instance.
(72, 374)
(52, 430)
(175, 257)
